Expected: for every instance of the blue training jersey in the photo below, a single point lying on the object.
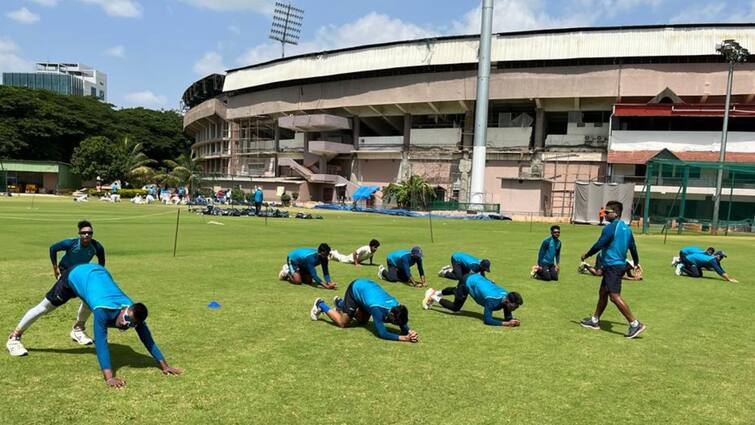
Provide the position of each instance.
(482, 289)
(94, 285)
(550, 252)
(467, 260)
(689, 250)
(701, 259)
(403, 260)
(258, 196)
(75, 253)
(369, 294)
(307, 258)
(614, 241)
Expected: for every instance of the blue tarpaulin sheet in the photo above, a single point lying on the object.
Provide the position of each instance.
(407, 213)
(364, 192)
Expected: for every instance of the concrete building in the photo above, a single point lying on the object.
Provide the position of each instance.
(64, 78)
(20, 176)
(561, 105)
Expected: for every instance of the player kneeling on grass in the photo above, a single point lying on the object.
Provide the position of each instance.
(365, 298)
(300, 267)
(485, 293)
(694, 264)
(548, 257)
(462, 264)
(399, 267)
(689, 250)
(614, 241)
(112, 308)
(359, 256)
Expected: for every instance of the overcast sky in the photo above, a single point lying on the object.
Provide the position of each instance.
(153, 49)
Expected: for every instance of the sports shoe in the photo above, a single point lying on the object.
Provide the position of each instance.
(533, 273)
(675, 261)
(634, 331)
(678, 270)
(15, 348)
(337, 300)
(314, 313)
(284, 272)
(428, 300)
(444, 270)
(380, 271)
(79, 336)
(589, 324)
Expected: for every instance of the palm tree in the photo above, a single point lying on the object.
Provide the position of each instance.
(185, 170)
(137, 167)
(411, 194)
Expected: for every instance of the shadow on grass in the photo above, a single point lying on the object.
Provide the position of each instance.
(607, 326)
(121, 355)
(464, 313)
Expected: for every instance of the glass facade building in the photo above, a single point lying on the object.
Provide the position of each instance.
(59, 83)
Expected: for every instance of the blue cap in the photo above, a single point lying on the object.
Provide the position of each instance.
(417, 251)
(720, 254)
(485, 265)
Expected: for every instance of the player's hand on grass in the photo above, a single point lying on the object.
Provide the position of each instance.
(168, 370)
(115, 382)
(413, 336)
(511, 323)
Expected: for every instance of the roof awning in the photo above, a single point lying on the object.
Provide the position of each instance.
(685, 110)
(315, 122)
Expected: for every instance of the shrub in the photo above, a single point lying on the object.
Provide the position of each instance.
(286, 199)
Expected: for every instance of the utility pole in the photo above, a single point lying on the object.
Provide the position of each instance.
(479, 153)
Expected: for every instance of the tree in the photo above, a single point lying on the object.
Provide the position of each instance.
(98, 156)
(414, 193)
(137, 167)
(186, 170)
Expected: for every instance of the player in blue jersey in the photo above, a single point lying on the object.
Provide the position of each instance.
(399, 267)
(681, 261)
(615, 239)
(112, 309)
(549, 256)
(79, 250)
(463, 263)
(694, 264)
(300, 267)
(485, 293)
(365, 298)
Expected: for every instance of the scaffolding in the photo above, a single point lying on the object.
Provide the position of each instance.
(696, 179)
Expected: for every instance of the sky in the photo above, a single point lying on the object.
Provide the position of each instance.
(152, 50)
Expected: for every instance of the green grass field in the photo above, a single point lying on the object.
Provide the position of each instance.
(260, 359)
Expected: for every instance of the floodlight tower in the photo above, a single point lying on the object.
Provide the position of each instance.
(477, 189)
(286, 27)
(733, 53)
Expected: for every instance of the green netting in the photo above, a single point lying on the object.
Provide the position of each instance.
(464, 206)
(687, 178)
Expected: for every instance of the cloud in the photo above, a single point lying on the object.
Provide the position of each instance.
(119, 8)
(116, 52)
(711, 12)
(47, 3)
(9, 59)
(146, 98)
(23, 16)
(369, 29)
(234, 29)
(262, 6)
(210, 63)
(521, 15)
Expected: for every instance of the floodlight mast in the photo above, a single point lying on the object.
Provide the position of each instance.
(286, 25)
(733, 53)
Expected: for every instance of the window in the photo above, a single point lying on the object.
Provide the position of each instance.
(93, 91)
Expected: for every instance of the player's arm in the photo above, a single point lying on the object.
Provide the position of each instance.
(606, 236)
(355, 256)
(327, 284)
(146, 337)
(101, 318)
(100, 252)
(558, 255)
(721, 272)
(378, 315)
(542, 251)
(421, 271)
(633, 252)
(54, 248)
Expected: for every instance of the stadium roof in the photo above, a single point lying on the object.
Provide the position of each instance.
(650, 41)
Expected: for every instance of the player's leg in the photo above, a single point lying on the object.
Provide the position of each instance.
(593, 322)
(460, 297)
(341, 318)
(543, 273)
(553, 272)
(77, 332)
(391, 274)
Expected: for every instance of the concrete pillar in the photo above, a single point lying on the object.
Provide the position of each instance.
(354, 176)
(305, 136)
(407, 130)
(323, 164)
(539, 129)
(467, 137)
(405, 170)
(355, 134)
(277, 148)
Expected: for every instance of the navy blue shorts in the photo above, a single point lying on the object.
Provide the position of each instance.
(61, 291)
(350, 305)
(612, 278)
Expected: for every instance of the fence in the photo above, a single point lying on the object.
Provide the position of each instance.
(464, 206)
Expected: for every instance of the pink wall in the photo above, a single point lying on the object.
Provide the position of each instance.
(379, 172)
(493, 171)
